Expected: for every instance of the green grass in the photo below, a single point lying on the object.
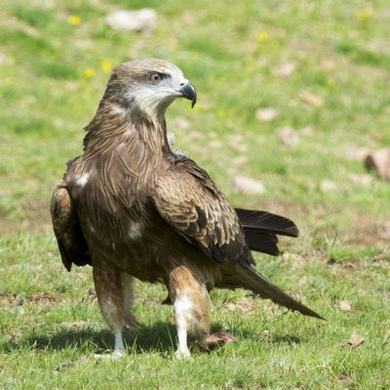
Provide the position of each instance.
(50, 325)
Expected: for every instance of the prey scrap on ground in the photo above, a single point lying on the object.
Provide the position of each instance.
(132, 208)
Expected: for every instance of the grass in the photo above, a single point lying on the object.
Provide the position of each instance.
(50, 325)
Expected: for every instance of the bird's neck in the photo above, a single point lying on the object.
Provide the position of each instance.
(133, 130)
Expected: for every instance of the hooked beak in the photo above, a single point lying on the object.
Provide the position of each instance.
(188, 91)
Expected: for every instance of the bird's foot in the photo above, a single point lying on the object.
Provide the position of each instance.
(182, 354)
(216, 340)
(110, 356)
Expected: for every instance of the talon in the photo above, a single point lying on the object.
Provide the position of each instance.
(181, 355)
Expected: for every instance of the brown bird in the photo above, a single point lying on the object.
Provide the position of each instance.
(132, 208)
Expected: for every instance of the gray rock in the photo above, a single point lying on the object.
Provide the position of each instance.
(379, 161)
(289, 137)
(248, 185)
(139, 20)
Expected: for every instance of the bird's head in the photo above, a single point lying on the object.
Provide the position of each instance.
(148, 86)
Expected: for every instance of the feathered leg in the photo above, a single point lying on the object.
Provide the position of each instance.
(114, 293)
(191, 306)
(127, 291)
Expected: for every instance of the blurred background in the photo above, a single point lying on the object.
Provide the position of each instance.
(292, 98)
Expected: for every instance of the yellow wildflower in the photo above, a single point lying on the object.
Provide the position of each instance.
(106, 66)
(89, 73)
(262, 37)
(74, 20)
(363, 15)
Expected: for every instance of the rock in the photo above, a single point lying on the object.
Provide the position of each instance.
(307, 130)
(248, 185)
(285, 70)
(240, 160)
(266, 114)
(236, 142)
(215, 144)
(328, 185)
(327, 65)
(311, 98)
(345, 305)
(379, 161)
(139, 20)
(355, 340)
(289, 137)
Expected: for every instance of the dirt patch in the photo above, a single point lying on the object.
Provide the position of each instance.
(9, 300)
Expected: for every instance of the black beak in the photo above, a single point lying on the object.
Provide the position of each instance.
(189, 92)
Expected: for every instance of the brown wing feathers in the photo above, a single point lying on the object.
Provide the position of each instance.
(71, 242)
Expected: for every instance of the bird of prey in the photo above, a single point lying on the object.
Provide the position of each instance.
(131, 208)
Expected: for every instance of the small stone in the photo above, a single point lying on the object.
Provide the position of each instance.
(285, 69)
(328, 185)
(248, 185)
(345, 305)
(215, 144)
(355, 340)
(289, 137)
(327, 65)
(311, 98)
(240, 147)
(266, 114)
(379, 161)
(240, 160)
(138, 21)
(195, 135)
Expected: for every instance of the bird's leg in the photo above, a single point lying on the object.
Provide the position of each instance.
(109, 291)
(182, 307)
(191, 306)
(127, 290)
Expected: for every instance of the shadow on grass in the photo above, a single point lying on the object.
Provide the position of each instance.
(158, 337)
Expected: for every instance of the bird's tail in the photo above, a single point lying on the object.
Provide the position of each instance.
(254, 281)
(261, 229)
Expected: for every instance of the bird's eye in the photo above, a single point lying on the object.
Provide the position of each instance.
(155, 77)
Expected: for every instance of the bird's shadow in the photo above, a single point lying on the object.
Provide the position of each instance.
(158, 337)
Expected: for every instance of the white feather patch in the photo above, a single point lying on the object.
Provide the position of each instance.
(183, 304)
(82, 180)
(135, 230)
